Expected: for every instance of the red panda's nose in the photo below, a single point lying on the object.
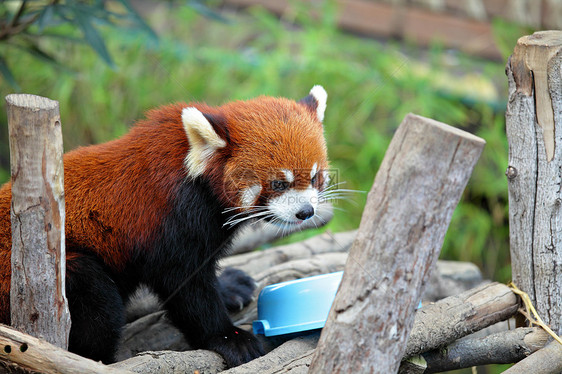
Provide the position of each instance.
(306, 212)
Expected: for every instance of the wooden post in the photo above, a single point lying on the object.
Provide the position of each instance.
(534, 133)
(38, 302)
(408, 210)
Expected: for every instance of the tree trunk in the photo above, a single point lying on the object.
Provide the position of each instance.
(408, 210)
(38, 300)
(534, 133)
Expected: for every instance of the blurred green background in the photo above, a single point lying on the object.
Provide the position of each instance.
(106, 68)
(205, 54)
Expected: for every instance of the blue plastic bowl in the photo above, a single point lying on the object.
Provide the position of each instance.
(297, 305)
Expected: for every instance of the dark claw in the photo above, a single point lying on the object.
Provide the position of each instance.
(236, 347)
(236, 289)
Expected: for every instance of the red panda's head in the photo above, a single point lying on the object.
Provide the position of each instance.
(264, 158)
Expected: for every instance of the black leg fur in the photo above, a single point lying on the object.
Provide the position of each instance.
(236, 289)
(96, 309)
(181, 269)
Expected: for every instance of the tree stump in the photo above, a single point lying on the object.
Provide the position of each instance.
(534, 133)
(408, 210)
(37, 297)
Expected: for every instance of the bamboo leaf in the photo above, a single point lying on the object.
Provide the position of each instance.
(92, 37)
(45, 17)
(206, 11)
(7, 74)
(138, 19)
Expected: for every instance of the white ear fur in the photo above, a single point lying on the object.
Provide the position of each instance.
(249, 196)
(321, 96)
(203, 140)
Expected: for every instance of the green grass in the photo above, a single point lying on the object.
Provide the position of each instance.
(371, 87)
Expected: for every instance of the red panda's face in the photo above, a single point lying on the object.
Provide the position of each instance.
(266, 158)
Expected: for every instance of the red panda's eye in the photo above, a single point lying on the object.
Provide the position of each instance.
(278, 185)
(313, 180)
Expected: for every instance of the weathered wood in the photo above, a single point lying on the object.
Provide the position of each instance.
(408, 210)
(450, 319)
(534, 133)
(210, 362)
(454, 317)
(544, 361)
(279, 357)
(153, 332)
(38, 299)
(505, 347)
(165, 362)
(255, 262)
(38, 355)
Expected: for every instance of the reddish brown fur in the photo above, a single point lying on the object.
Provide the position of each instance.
(146, 170)
(294, 142)
(98, 219)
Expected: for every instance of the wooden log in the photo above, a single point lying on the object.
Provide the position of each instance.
(408, 210)
(37, 298)
(279, 357)
(165, 362)
(534, 133)
(505, 347)
(454, 317)
(544, 361)
(210, 362)
(38, 355)
(255, 262)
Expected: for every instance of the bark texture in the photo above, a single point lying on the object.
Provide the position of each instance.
(544, 361)
(408, 210)
(534, 133)
(500, 348)
(454, 317)
(38, 302)
(37, 355)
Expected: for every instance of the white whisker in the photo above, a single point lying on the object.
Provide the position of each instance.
(234, 221)
(241, 207)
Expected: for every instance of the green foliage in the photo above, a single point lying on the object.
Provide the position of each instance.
(25, 24)
(371, 87)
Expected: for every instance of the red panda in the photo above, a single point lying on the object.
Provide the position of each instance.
(160, 205)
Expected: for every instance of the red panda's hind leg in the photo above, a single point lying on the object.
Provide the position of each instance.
(96, 309)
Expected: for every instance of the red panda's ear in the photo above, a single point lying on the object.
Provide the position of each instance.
(204, 139)
(316, 101)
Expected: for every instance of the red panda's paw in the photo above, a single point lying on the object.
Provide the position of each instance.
(236, 347)
(236, 289)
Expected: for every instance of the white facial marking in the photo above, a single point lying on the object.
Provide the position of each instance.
(289, 176)
(203, 140)
(249, 195)
(286, 206)
(326, 178)
(313, 171)
(321, 97)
